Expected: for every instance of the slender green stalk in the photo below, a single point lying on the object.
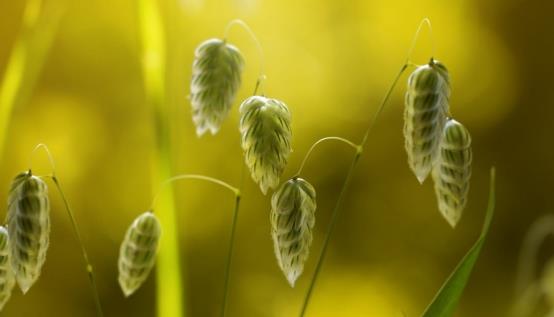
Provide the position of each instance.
(237, 194)
(27, 58)
(170, 290)
(76, 231)
(350, 172)
(329, 138)
(230, 254)
(345, 184)
(88, 265)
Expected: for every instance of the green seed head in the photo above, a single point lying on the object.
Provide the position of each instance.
(28, 227)
(7, 278)
(137, 254)
(216, 75)
(452, 172)
(293, 208)
(266, 133)
(424, 116)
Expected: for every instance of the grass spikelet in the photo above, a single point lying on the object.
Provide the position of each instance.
(424, 116)
(137, 254)
(28, 227)
(7, 279)
(453, 171)
(216, 75)
(293, 208)
(266, 133)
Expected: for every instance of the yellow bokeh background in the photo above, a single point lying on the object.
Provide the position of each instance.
(331, 62)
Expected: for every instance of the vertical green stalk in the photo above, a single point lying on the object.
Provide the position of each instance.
(170, 290)
(88, 265)
(31, 48)
(346, 183)
(230, 254)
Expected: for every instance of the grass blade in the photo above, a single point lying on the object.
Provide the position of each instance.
(39, 27)
(170, 289)
(447, 298)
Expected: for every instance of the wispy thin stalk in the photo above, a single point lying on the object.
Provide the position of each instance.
(230, 254)
(353, 164)
(237, 194)
(170, 290)
(76, 231)
(88, 265)
(27, 58)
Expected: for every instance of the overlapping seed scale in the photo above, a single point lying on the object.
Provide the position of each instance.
(216, 77)
(137, 254)
(292, 217)
(424, 116)
(453, 171)
(7, 278)
(266, 133)
(28, 227)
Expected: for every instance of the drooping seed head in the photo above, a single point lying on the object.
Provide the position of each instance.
(216, 75)
(452, 172)
(424, 116)
(28, 227)
(266, 133)
(137, 254)
(292, 216)
(7, 278)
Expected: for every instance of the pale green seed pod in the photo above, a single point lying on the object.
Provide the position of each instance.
(28, 227)
(424, 116)
(292, 218)
(266, 133)
(137, 254)
(215, 81)
(7, 278)
(452, 172)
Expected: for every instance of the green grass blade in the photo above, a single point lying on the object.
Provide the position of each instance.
(38, 30)
(170, 290)
(446, 300)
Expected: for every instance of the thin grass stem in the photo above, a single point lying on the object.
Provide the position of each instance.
(350, 172)
(76, 231)
(356, 147)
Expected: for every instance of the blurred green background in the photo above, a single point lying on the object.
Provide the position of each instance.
(331, 62)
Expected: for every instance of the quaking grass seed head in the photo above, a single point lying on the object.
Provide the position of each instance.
(265, 138)
(7, 278)
(28, 227)
(426, 108)
(292, 218)
(216, 77)
(138, 251)
(452, 172)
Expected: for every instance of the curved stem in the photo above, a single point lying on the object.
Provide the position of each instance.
(330, 229)
(88, 265)
(230, 254)
(329, 138)
(423, 22)
(235, 190)
(254, 38)
(48, 154)
(76, 232)
(334, 214)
